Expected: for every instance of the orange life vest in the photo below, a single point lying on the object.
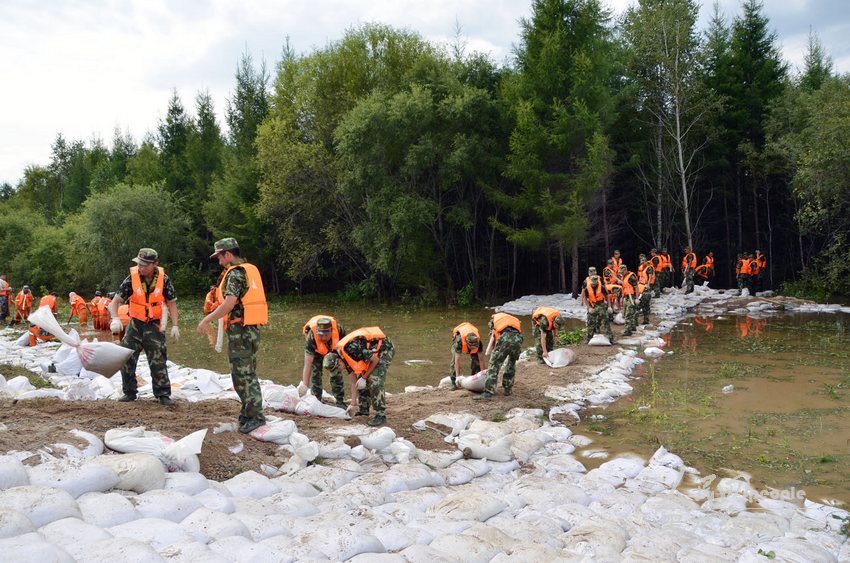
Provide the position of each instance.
(77, 304)
(761, 260)
(628, 282)
(321, 348)
(689, 261)
(210, 302)
(144, 306)
(501, 321)
(702, 270)
(23, 301)
(746, 267)
(668, 262)
(657, 262)
(463, 330)
(609, 276)
(754, 266)
(709, 261)
(371, 334)
(617, 262)
(594, 297)
(256, 310)
(50, 301)
(548, 312)
(124, 315)
(643, 277)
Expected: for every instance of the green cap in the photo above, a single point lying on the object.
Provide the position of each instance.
(560, 322)
(324, 325)
(330, 360)
(223, 245)
(472, 339)
(146, 256)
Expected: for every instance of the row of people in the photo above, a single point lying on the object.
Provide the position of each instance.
(751, 271)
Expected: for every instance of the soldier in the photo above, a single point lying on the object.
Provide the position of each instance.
(761, 260)
(505, 345)
(657, 263)
(628, 281)
(689, 265)
(322, 333)
(594, 297)
(147, 290)
(616, 260)
(644, 293)
(466, 340)
(703, 271)
(5, 298)
(667, 269)
(545, 324)
(242, 305)
(366, 354)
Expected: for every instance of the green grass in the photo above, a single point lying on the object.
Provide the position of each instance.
(10, 371)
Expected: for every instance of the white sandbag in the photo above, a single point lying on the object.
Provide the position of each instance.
(33, 547)
(168, 505)
(214, 524)
(190, 553)
(156, 532)
(334, 449)
(42, 505)
(474, 550)
(74, 535)
(19, 384)
(66, 361)
(379, 439)
(23, 340)
(251, 484)
(524, 444)
(303, 447)
(560, 357)
(189, 483)
(341, 543)
(106, 509)
(176, 456)
(457, 422)
(12, 472)
(472, 446)
(416, 475)
(599, 340)
(562, 463)
(215, 500)
(14, 523)
(275, 430)
(653, 352)
(474, 382)
(596, 538)
(619, 319)
(138, 472)
(43, 394)
(76, 477)
(468, 505)
(309, 405)
(438, 459)
(182, 455)
(238, 548)
(417, 553)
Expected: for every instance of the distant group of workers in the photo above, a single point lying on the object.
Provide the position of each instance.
(751, 271)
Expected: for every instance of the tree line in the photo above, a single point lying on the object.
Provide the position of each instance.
(385, 166)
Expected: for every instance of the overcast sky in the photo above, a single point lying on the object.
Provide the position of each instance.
(86, 67)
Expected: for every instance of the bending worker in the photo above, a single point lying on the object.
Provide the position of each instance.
(79, 308)
(505, 345)
(545, 324)
(322, 334)
(466, 340)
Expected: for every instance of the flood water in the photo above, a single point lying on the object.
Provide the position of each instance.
(785, 420)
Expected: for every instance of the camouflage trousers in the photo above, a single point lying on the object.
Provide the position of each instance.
(374, 392)
(597, 318)
(475, 366)
(743, 281)
(337, 384)
(4, 308)
(550, 341)
(630, 313)
(643, 306)
(505, 351)
(689, 281)
(242, 345)
(145, 336)
(655, 286)
(664, 278)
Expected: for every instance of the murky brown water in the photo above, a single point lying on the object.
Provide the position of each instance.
(786, 422)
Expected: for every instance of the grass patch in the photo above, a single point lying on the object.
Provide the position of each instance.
(498, 416)
(9, 371)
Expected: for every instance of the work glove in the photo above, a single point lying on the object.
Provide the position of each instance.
(351, 410)
(115, 325)
(175, 333)
(302, 389)
(361, 383)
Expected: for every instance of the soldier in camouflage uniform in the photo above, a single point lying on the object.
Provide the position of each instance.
(144, 331)
(506, 345)
(595, 298)
(369, 355)
(545, 334)
(243, 304)
(644, 287)
(628, 281)
(313, 359)
(689, 265)
(473, 346)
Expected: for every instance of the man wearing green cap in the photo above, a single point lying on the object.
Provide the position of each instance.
(545, 324)
(243, 307)
(148, 290)
(322, 333)
(466, 340)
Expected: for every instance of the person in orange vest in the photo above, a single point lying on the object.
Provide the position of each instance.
(124, 317)
(79, 309)
(644, 287)
(466, 340)
(545, 324)
(703, 270)
(594, 298)
(709, 261)
(667, 268)
(103, 309)
(754, 273)
(657, 263)
(366, 355)
(93, 310)
(616, 260)
(689, 266)
(743, 270)
(23, 304)
(243, 306)
(612, 284)
(37, 333)
(147, 290)
(5, 298)
(209, 301)
(505, 346)
(761, 260)
(628, 281)
(49, 300)
(322, 333)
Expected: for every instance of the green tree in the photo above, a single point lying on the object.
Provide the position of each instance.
(817, 65)
(144, 167)
(173, 142)
(204, 153)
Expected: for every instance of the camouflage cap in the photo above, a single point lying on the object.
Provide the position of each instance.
(472, 339)
(654, 250)
(324, 325)
(591, 270)
(642, 256)
(146, 256)
(594, 279)
(560, 322)
(623, 267)
(616, 251)
(224, 245)
(98, 293)
(330, 360)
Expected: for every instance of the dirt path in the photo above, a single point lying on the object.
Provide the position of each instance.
(35, 424)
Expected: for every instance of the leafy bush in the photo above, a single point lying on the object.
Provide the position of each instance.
(566, 337)
(466, 296)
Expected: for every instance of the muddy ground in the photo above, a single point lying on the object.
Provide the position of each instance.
(35, 424)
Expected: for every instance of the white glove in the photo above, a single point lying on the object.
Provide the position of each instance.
(302, 389)
(175, 333)
(361, 383)
(115, 325)
(351, 410)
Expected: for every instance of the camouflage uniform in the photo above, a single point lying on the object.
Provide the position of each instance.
(148, 337)
(550, 336)
(359, 350)
(643, 305)
(506, 349)
(337, 383)
(596, 319)
(242, 345)
(630, 309)
(457, 349)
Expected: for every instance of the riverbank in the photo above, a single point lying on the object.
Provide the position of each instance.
(534, 499)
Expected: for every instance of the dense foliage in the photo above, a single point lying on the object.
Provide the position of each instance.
(383, 165)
